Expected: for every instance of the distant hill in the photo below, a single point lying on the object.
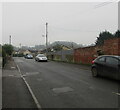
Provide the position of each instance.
(66, 43)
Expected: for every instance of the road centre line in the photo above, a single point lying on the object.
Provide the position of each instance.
(30, 90)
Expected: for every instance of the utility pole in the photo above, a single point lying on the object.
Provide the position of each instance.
(10, 39)
(72, 46)
(20, 45)
(46, 38)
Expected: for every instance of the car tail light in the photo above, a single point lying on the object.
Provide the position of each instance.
(93, 62)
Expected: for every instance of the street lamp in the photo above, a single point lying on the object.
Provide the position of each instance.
(46, 37)
(45, 43)
(10, 39)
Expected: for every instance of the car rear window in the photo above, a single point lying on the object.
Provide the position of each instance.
(119, 57)
(101, 59)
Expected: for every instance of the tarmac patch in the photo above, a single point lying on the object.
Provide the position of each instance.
(12, 67)
(11, 75)
(19, 61)
(39, 79)
(31, 73)
(62, 90)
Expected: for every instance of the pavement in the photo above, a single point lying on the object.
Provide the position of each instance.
(0, 82)
(15, 93)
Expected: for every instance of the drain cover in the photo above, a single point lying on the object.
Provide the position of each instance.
(62, 90)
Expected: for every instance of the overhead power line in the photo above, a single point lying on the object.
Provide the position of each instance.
(105, 3)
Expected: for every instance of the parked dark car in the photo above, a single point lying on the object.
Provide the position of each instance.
(29, 56)
(106, 65)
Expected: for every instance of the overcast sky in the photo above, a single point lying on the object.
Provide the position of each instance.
(80, 22)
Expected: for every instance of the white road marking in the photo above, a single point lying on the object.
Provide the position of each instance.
(24, 75)
(30, 90)
(116, 93)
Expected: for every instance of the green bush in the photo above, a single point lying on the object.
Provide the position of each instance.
(4, 57)
(18, 55)
(7, 50)
(69, 58)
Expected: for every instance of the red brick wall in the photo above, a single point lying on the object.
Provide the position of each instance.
(112, 46)
(87, 54)
(84, 55)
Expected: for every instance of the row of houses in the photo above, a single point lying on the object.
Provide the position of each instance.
(22, 52)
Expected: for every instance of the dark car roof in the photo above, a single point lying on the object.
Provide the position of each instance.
(110, 56)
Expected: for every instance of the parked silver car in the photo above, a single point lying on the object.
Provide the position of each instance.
(41, 57)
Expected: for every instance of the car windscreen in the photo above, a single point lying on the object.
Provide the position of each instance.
(29, 55)
(41, 55)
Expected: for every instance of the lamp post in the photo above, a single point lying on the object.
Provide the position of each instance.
(46, 37)
(10, 39)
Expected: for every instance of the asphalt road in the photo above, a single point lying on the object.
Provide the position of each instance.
(63, 85)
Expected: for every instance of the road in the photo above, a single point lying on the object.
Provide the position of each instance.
(63, 85)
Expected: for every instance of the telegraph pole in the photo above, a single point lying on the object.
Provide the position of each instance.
(10, 39)
(20, 45)
(46, 38)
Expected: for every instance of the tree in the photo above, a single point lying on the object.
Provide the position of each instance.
(103, 36)
(117, 34)
(0, 50)
(4, 60)
(8, 49)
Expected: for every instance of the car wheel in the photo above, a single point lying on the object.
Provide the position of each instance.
(94, 72)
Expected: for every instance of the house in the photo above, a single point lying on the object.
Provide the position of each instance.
(26, 52)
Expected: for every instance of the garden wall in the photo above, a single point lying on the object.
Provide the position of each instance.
(87, 54)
